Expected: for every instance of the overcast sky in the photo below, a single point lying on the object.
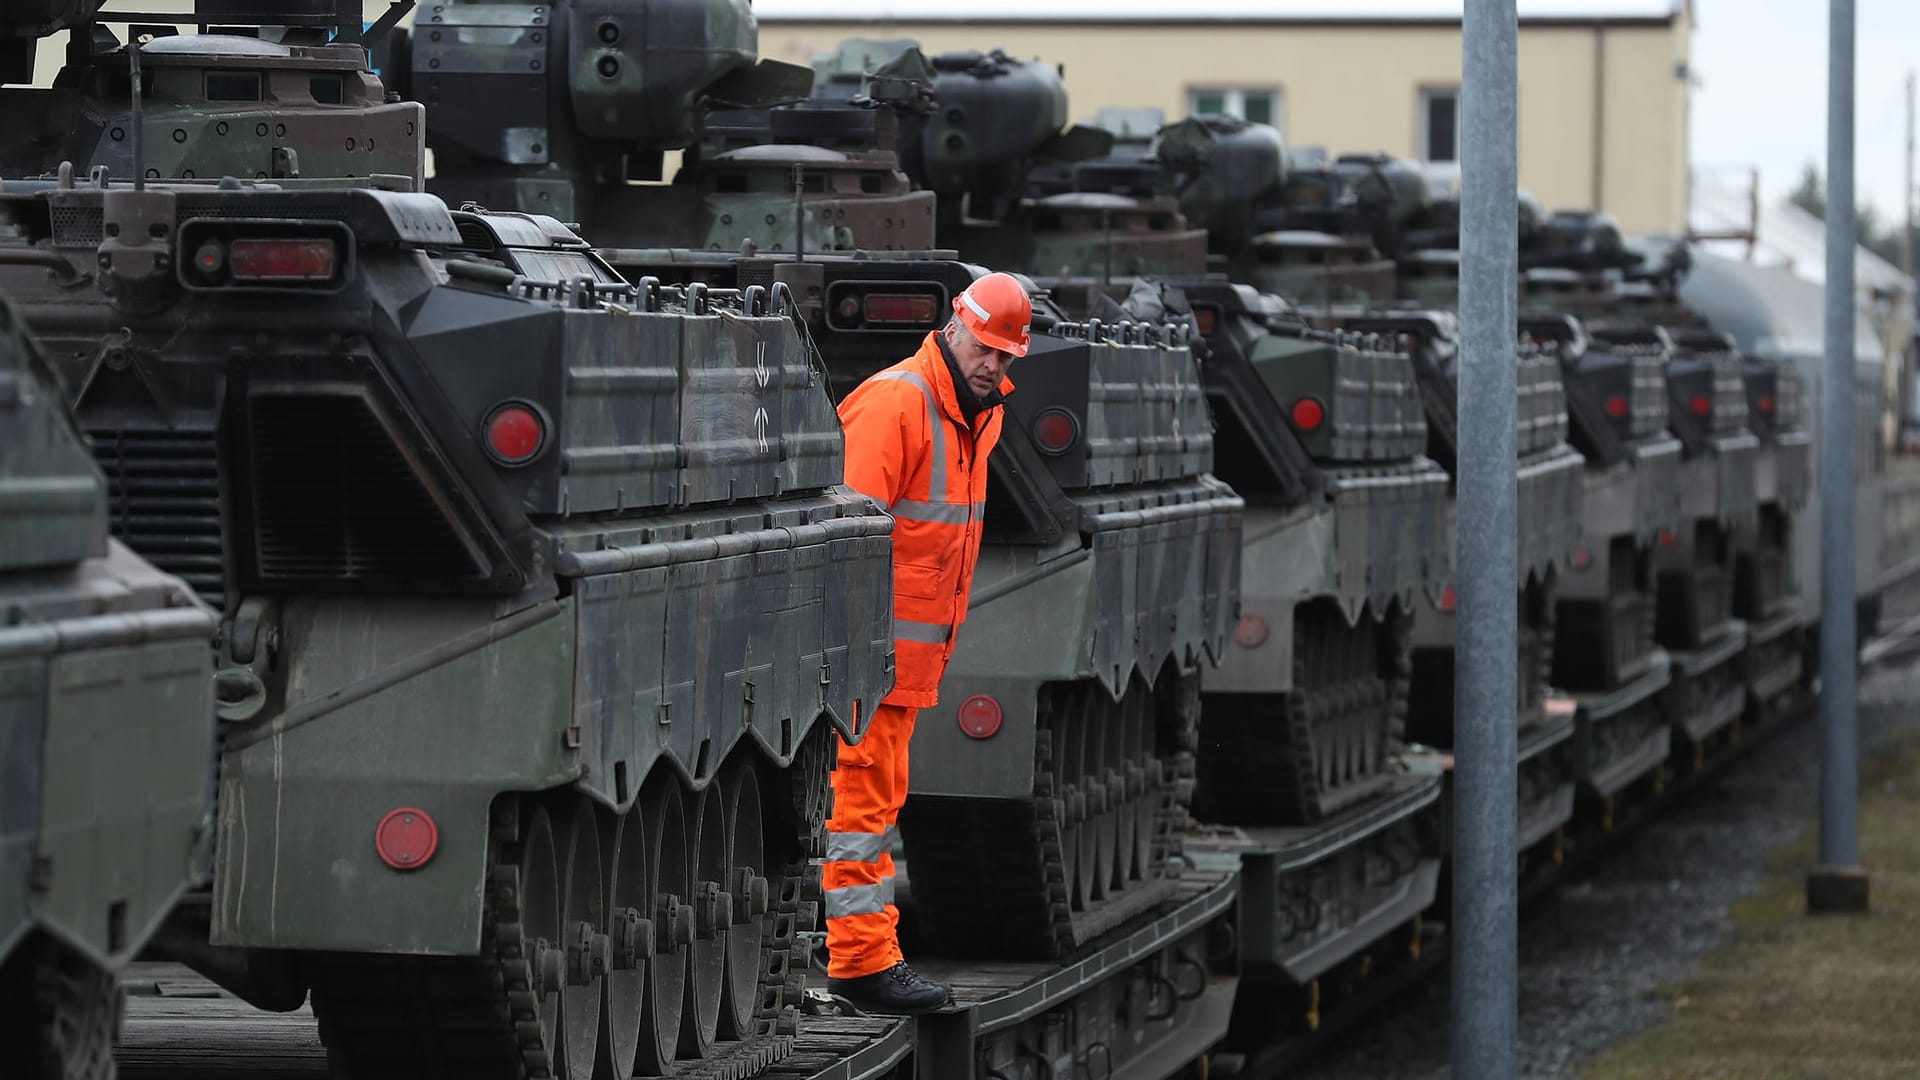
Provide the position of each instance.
(1761, 98)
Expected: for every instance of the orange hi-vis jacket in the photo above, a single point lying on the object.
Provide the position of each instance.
(909, 447)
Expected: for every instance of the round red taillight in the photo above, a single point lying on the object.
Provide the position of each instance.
(1701, 405)
(1766, 404)
(515, 434)
(1055, 430)
(1449, 599)
(406, 838)
(1580, 559)
(1308, 414)
(980, 717)
(1251, 632)
(1617, 406)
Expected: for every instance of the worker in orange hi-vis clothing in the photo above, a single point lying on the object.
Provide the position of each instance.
(918, 437)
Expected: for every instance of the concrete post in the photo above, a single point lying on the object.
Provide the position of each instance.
(1486, 874)
(1838, 884)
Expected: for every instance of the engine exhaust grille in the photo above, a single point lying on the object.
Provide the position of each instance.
(163, 497)
(335, 499)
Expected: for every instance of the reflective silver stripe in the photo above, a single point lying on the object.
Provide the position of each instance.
(926, 633)
(858, 899)
(937, 482)
(967, 298)
(855, 847)
(945, 513)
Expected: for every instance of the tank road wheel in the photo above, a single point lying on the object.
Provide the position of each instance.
(665, 817)
(748, 888)
(59, 1014)
(587, 945)
(1143, 778)
(1128, 797)
(712, 914)
(631, 946)
(1078, 840)
(1103, 795)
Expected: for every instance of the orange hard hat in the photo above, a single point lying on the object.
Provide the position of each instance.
(996, 310)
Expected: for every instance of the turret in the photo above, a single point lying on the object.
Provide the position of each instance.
(293, 111)
(557, 109)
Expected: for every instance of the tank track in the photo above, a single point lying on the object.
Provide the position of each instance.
(797, 908)
(432, 1016)
(1313, 758)
(61, 1021)
(475, 1018)
(996, 879)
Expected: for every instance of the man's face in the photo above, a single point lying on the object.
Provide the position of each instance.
(982, 365)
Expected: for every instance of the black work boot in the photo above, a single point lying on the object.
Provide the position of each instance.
(896, 990)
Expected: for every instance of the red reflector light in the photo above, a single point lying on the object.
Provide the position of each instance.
(1701, 405)
(1205, 319)
(1766, 404)
(1617, 406)
(1668, 538)
(515, 434)
(1308, 414)
(210, 257)
(1449, 599)
(1581, 558)
(899, 308)
(406, 838)
(281, 260)
(980, 717)
(1251, 632)
(1055, 430)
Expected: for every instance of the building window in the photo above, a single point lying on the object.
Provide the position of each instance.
(1255, 105)
(1440, 124)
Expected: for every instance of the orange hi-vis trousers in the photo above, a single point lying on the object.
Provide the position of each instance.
(869, 787)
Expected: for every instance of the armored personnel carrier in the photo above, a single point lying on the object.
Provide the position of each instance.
(106, 702)
(1606, 650)
(542, 604)
(1106, 575)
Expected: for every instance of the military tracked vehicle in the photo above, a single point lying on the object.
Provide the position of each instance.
(1329, 232)
(1063, 740)
(106, 717)
(1724, 567)
(1606, 651)
(1767, 592)
(1322, 433)
(542, 604)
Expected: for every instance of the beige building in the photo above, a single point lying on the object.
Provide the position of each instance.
(1603, 83)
